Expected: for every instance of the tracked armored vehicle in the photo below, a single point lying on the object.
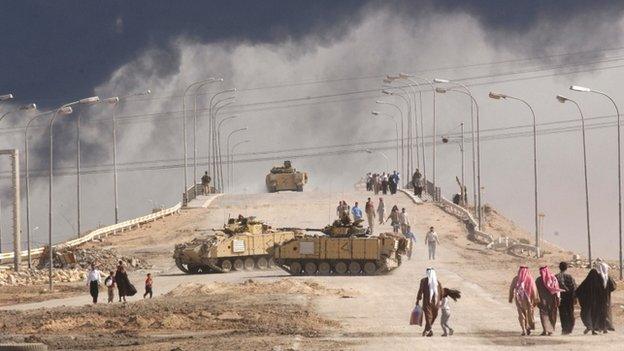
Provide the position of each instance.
(242, 244)
(341, 249)
(285, 178)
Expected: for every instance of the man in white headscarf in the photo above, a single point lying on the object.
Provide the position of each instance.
(609, 284)
(430, 291)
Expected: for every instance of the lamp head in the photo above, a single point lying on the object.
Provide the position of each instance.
(375, 113)
(90, 100)
(580, 88)
(445, 140)
(368, 151)
(28, 107)
(496, 96)
(440, 90)
(6, 97)
(112, 100)
(65, 110)
(379, 102)
(387, 80)
(562, 98)
(440, 80)
(387, 92)
(147, 92)
(404, 75)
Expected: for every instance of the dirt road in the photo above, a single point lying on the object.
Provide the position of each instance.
(374, 314)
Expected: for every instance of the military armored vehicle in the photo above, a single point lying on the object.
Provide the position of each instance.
(285, 178)
(342, 248)
(241, 244)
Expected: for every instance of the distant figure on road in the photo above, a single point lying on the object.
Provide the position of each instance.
(369, 181)
(110, 286)
(94, 278)
(356, 212)
(404, 221)
(445, 307)
(566, 306)
(603, 268)
(370, 214)
(384, 183)
(430, 291)
(524, 291)
(395, 221)
(393, 182)
(376, 183)
(148, 286)
(416, 183)
(381, 211)
(205, 179)
(549, 291)
(432, 241)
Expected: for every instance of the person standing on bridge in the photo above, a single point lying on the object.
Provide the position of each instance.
(384, 183)
(416, 183)
(549, 294)
(430, 291)
(205, 179)
(370, 214)
(523, 290)
(566, 306)
(94, 278)
(432, 241)
(381, 211)
(356, 212)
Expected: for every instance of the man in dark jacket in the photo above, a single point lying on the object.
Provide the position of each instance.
(566, 307)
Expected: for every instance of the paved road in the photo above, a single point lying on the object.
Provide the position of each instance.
(376, 317)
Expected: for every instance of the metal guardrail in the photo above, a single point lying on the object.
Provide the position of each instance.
(100, 232)
(193, 191)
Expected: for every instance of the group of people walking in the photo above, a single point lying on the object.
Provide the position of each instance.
(556, 294)
(117, 280)
(384, 182)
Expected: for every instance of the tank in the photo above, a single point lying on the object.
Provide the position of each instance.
(242, 244)
(341, 249)
(285, 178)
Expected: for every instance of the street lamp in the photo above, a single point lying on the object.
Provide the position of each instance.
(227, 144)
(476, 193)
(218, 165)
(27, 107)
(402, 133)
(498, 96)
(184, 199)
(64, 111)
(619, 156)
(86, 101)
(115, 101)
(396, 129)
(6, 97)
(563, 99)
(478, 166)
(217, 80)
(232, 157)
(212, 144)
(407, 101)
(369, 151)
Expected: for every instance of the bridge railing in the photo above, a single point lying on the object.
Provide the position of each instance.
(100, 232)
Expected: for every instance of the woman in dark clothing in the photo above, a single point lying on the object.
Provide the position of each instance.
(123, 283)
(592, 296)
(566, 307)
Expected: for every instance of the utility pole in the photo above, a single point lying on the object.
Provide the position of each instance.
(17, 248)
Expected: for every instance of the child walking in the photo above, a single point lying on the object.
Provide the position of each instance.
(446, 309)
(148, 286)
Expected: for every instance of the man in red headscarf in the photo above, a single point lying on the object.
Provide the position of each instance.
(550, 296)
(524, 292)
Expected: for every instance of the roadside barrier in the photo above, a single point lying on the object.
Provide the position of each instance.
(100, 232)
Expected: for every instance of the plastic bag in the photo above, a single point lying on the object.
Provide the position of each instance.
(416, 317)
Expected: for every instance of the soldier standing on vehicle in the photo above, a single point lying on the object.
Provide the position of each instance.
(370, 214)
(205, 179)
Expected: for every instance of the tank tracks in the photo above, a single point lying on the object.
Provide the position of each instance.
(338, 267)
(227, 264)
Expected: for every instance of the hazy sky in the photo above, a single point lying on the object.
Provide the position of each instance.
(308, 75)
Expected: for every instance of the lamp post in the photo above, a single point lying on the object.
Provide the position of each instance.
(218, 160)
(396, 129)
(115, 101)
(227, 145)
(498, 96)
(195, 126)
(6, 97)
(478, 203)
(563, 99)
(184, 199)
(232, 157)
(64, 111)
(407, 169)
(212, 144)
(619, 157)
(85, 101)
(476, 190)
(402, 133)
